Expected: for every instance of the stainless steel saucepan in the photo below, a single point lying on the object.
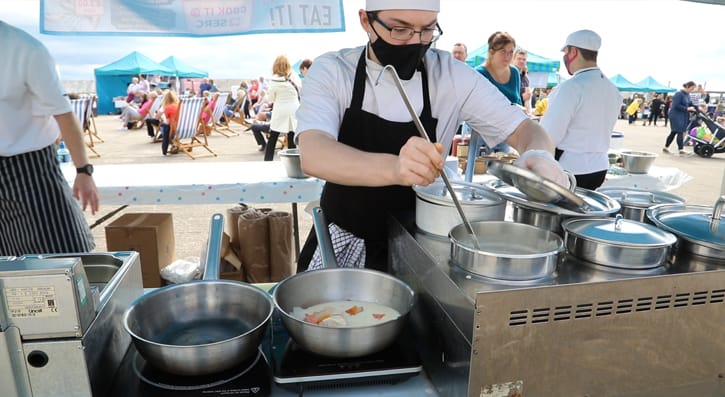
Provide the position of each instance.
(200, 327)
(339, 284)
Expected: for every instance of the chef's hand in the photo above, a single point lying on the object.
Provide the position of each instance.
(544, 164)
(419, 162)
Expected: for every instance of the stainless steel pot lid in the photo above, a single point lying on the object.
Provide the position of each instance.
(467, 193)
(598, 204)
(697, 223)
(619, 231)
(639, 198)
(536, 187)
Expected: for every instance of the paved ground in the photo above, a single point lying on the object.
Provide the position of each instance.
(191, 223)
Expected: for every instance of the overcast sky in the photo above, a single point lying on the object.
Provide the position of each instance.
(673, 41)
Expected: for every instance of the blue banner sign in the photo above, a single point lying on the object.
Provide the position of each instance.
(194, 18)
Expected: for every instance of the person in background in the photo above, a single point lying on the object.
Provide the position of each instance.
(633, 109)
(305, 67)
(170, 119)
(143, 84)
(207, 113)
(655, 109)
(131, 90)
(39, 212)
(498, 70)
(460, 52)
(204, 86)
(680, 117)
(355, 132)
(136, 112)
(285, 98)
(579, 122)
(666, 109)
(519, 60)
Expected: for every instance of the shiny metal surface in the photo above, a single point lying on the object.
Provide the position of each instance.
(82, 366)
(635, 202)
(594, 320)
(508, 250)
(291, 162)
(637, 162)
(436, 214)
(598, 204)
(200, 327)
(324, 240)
(538, 188)
(327, 285)
(699, 228)
(618, 242)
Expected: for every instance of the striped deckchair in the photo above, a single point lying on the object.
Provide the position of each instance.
(81, 110)
(186, 134)
(217, 124)
(152, 113)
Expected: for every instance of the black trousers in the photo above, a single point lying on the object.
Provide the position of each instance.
(272, 143)
(150, 123)
(258, 131)
(591, 181)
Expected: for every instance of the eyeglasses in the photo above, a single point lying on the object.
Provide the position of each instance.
(403, 33)
(503, 52)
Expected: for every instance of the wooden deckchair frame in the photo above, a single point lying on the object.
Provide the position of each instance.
(216, 116)
(80, 108)
(187, 133)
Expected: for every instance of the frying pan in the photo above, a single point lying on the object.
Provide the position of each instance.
(200, 327)
(338, 284)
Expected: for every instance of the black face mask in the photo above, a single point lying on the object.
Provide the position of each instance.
(405, 58)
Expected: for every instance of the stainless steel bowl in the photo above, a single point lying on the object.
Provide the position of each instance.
(508, 250)
(291, 161)
(339, 284)
(638, 162)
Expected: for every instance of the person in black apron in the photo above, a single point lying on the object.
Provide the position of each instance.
(354, 208)
(356, 201)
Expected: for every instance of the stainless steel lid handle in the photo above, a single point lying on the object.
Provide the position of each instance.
(717, 213)
(572, 181)
(618, 221)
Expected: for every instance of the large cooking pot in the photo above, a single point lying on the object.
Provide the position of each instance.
(700, 229)
(435, 212)
(549, 216)
(634, 202)
(618, 242)
(506, 250)
(200, 327)
(313, 287)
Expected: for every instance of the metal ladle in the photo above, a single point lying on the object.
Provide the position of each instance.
(421, 131)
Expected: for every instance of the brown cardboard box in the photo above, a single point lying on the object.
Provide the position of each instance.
(151, 235)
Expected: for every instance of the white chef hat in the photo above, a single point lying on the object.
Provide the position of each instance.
(426, 5)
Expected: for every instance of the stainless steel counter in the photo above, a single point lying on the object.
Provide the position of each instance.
(586, 330)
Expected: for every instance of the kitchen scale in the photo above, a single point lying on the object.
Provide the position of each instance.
(136, 378)
(298, 370)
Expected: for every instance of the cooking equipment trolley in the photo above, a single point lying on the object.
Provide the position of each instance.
(586, 330)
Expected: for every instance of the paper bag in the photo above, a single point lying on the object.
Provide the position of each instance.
(280, 245)
(253, 234)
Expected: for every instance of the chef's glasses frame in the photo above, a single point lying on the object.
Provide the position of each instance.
(403, 33)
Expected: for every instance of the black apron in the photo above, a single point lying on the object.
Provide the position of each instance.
(363, 210)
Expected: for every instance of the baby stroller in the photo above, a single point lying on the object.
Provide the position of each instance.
(708, 136)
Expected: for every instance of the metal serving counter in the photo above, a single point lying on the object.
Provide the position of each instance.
(586, 330)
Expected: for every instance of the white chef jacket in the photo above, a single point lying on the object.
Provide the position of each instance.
(30, 93)
(581, 114)
(457, 94)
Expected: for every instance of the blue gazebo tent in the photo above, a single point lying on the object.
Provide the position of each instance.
(535, 63)
(649, 84)
(183, 70)
(112, 79)
(624, 85)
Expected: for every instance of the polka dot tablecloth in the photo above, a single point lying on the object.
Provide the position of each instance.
(200, 183)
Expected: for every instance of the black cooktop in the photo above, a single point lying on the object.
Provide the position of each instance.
(296, 369)
(136, 378)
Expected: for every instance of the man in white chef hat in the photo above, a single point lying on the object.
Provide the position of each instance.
(355, 132)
